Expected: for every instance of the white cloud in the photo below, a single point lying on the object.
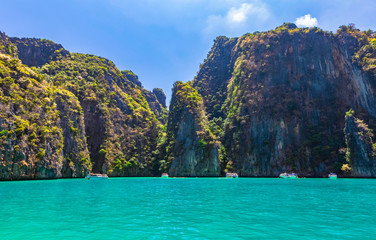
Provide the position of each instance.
(306, 21)
(237, 20)
(183, 15)
(239, 15)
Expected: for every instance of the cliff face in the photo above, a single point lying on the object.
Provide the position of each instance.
(261, 104)
(31, 129)
(192, 150)
(121, 129)
(76, 155)
(215, 74)
(156, 98)
(133, 78)
(157, 105)
(74, 114)
(161, 96)
(31, 51)
(361, 152)
(280, 97)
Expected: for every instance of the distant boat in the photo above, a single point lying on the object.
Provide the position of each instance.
(232, 175)
(293, 175)
(164, 175)
(283, 175)
(96, 176)
(288, 175)
(332, 176)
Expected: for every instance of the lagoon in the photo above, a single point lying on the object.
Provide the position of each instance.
(188, 208)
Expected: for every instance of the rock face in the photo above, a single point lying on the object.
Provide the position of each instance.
(161, 96)
(155, 98)
(74, 114)
(279, 98)
(156, 104)
(37, 52)
(32, 143)
(214, 75)
(32, 51)
(193, 149)
(132, 77)
(261, 104)
(361, 153)
(75, 152)
(121, 129)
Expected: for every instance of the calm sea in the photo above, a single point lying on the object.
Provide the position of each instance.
(190, 208)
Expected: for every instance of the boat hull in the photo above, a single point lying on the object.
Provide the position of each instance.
(232, 175)
(288, 176)
(96, 176)
(332, 176)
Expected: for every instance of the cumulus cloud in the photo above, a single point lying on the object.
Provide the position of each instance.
(237, 20)
(239, 15)
(306, 21)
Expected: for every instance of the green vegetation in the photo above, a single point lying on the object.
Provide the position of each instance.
(27, 116)
(346, 168)
(350, 112)
(79, 111)
(74, 109)
(186, 120)
(128, 129)
(41, 153)
(250, 102)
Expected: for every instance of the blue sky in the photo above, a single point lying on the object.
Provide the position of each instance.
(166, 40)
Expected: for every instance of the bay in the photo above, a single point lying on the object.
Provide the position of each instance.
(188, 208)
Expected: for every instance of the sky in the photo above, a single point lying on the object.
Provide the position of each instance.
(163, 41)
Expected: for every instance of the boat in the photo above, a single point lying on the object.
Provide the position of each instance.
(332, 176)
(164, 175)
(232, 175)
(293, 175)
(283, 175)
(96, 176)
(288, 175)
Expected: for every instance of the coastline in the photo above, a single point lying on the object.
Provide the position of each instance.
(207, 177)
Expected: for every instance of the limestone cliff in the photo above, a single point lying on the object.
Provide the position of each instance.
(32, 144)
(156, 98)
(121, 129)
(161, 96)
(261, 104)
(156, 103)
(73, 114)
(192, 150)
(133, 78)
(31, 51)
(76, 155)
(278, 98)
(361, 152)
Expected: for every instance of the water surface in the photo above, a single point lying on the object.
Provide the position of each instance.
(189, 208)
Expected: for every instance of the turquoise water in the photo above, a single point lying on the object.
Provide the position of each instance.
(191, 208)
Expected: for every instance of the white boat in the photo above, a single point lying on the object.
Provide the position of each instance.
(288, 175)
(96, 176)
(232, 175)
(293, 175)
(332, 176)
(164, 175)
(283, 175)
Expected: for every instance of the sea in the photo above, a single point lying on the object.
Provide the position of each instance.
(188, 208)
